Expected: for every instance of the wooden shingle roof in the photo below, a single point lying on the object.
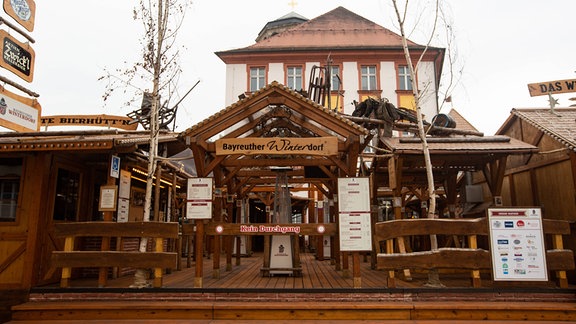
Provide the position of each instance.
(560, 124)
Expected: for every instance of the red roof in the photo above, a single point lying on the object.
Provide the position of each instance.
(336, 29)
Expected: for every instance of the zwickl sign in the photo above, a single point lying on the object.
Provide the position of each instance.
(17, 57)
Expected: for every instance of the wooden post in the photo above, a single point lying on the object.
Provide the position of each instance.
(557, 244)
(67, 272)
(335, 240)
(473, 244)
(357, 279)
(105, 244)
(159, 242)
(296, 252)
(229, 240)
(198, 255)
(238, 240)
(391, 276)
(266, 261)
(189, 247)
(345, 265)
(400, 240)
(157, 193)
(217, 243)
(320, 216)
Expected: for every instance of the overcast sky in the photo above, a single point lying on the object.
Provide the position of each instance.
(502, 46)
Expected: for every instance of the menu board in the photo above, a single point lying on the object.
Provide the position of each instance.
(354, 211)
(517, 244)
(199, 198)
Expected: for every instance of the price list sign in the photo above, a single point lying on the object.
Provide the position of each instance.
(517, 244)
(354, 211)
(199, 198)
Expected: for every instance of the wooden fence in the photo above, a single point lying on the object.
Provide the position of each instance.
(468, 256)
(158, 258)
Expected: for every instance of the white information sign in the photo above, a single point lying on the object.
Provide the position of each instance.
(199, 198)
(123, 196)
(354, 207)
(354, 194)
(517, 244)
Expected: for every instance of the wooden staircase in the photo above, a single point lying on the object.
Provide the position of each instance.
(390, 306)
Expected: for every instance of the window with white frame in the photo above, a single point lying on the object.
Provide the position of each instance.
(404, 78)
(294, 77)
(368, 77)
(257, 78)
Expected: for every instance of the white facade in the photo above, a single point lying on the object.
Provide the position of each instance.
(237, 82)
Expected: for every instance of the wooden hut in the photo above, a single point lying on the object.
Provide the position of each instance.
(55, 176)
(546, 178)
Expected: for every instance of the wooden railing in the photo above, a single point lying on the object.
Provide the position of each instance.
(396, 232)
(158, 259)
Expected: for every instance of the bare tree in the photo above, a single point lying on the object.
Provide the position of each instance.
(401, 15)
(159, 67)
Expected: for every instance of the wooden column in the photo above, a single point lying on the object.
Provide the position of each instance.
(198, 253)
(157, 193)
(356, 277)
(395, 180)
(105, 244)
(320, 216)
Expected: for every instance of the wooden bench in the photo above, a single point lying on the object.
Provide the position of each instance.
(158, 259)
(468, 258)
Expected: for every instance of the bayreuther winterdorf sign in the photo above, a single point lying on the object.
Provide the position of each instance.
(548, 87)
(278, 145)
(17, 57)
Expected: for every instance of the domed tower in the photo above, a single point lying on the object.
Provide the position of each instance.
(279, 25)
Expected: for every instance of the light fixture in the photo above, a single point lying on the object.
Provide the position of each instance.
(168, 183)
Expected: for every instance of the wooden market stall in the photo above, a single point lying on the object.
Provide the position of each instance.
(243, 145)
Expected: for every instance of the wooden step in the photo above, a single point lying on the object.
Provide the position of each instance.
(104, 311)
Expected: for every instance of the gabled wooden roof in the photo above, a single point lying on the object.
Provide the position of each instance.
(322, 121)
(449, 155)
(560, 124)
(275, 111)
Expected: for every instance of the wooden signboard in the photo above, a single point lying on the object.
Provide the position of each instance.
(517, 244)
(108, 198)
(549, 87)
(121, 122)
(199, 198)
(22, 11)
(17, 57)
(19, 113)
(354, 212)
(278, 145)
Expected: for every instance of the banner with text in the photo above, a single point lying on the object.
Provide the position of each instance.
(19, 113)
(278, 145)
